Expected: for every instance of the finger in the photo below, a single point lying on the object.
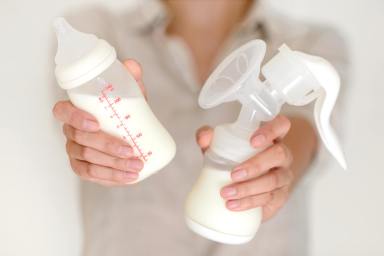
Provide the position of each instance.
(65, 112)
(101, 174)
(100, 141)
(249, 202)
(278, 155)
(270, 131)
(136, 71)
(274, 179)
(279, 197)
(93, 156)
(134, 68)
(204, 137)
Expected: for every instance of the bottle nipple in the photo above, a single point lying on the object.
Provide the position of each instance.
(72, 44)
(61, 26)
(80, 57)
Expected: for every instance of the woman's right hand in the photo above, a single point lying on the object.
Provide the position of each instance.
(94, 155)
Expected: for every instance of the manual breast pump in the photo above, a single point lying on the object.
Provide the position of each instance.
(291, 77)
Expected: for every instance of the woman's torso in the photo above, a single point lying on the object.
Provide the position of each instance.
(147, 218)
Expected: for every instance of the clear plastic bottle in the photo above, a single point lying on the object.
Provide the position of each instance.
(206, 211)
(98, 83)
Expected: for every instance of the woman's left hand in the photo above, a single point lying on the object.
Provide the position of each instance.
(265, 180)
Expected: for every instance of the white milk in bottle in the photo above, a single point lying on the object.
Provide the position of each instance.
(206, 211)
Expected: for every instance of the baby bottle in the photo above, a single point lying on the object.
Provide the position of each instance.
(291, 77)
(96, 82)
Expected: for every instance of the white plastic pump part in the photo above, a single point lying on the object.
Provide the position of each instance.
(80, 57)
(290, 76)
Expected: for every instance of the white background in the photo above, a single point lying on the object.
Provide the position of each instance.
(39, 204)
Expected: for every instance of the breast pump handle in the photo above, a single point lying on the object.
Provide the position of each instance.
(291, 77)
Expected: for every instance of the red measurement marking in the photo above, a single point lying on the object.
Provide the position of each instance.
(121, 124)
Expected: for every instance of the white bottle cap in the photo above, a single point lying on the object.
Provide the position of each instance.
(80, 57)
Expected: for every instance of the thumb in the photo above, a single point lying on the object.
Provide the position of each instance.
(134, 68)
(204, 137)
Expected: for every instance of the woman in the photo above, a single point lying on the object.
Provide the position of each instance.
(178, 43)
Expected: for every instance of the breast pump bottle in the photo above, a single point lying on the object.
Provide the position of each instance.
(99, 84)
(291, 77)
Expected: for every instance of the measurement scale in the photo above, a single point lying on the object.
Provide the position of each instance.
(121, 120)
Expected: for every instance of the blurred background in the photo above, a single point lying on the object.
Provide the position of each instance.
(39, 203)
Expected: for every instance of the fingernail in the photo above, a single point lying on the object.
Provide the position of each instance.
(90, 125)
(258, 140)
(135, 164)
(239, 175)
(129, 176)
(125, 151)
(233, 204)
(227, 192)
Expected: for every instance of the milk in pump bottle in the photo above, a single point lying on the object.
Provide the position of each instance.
(96, 82)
